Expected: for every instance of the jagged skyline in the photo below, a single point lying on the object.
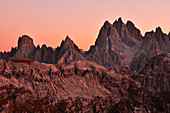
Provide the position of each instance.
(117, 44)
(50, 21)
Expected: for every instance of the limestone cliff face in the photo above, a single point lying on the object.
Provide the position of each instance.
(157, 72)
(122, 44)
(117, 44)
(82, 86)
(66, 79)
(68, 52)
(43, 54)
(25, 47)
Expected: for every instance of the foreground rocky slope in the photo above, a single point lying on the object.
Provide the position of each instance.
(82, 86)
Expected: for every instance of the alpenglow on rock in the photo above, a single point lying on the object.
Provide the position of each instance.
(25, 47)
(117, 44)
(82, 86)
(66, 53)
(122, 44)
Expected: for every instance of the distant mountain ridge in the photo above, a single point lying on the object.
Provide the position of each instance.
(117, 44)
(66, 53)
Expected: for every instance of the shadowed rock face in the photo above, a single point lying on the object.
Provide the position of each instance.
(25, 47)
(67, 52)
(115, 46)
(153, 43)
(119, 44)
(70, 80)
(81, 86)
(135, 32)
(157, 72)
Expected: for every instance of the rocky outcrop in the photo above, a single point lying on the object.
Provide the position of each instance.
(153, 43)
(67, 52)
(157, 72)
(43, 54)
(25, 47)
(122, 44)
(115, 46)
(82, 86)
(69, 80)
(135, 32)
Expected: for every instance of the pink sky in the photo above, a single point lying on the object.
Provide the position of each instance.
(49, 21)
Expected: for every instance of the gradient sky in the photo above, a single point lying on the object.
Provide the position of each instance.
(50, 21)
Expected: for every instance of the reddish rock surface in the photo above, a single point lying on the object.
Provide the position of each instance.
(122, 44)
(81, 86)
(71, 80)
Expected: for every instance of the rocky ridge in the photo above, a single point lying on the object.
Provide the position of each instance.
(66, 53)
(67, 79)
(82, 86)
(117, 44)
(120, 44)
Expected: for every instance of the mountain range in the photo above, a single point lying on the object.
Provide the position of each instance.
(122, 72)
(117, 44)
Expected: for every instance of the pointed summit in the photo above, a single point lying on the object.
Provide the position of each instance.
(135, 32)
(68, 42)
(158, 30)
(130, 24)
(68, 52)
(106, 24)
(119, 24)
(67, 38)
(25, 40)
(119, 19)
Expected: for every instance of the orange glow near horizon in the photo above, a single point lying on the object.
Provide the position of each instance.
(49, 22)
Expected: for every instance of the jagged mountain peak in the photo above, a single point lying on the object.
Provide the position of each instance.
(67, 42)
(25, 48)
(116, 44)
(119, 25)
(135, 32)
(158, 31)
(130, 23)
(68, 52)
(25, 39)
(107, 24)
(68, 39)
(120, 19)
